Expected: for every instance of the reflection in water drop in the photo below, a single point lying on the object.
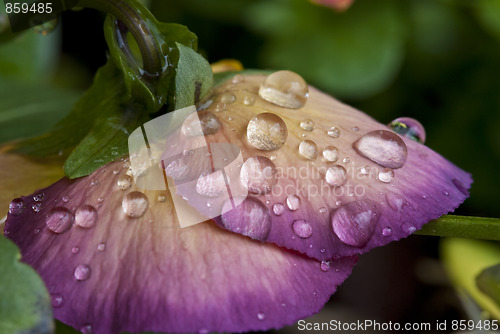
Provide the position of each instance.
(308, 149)
(410, 128)
(250, 218)
(336, 176)
(382, 147)
(285, 89)
(135, 204)
(331, 153)
(86, 216)
(59, 219)
(302, 228)
(293, 202)
(258, 175)
(82, 272)
(307, 124)
(16, 207)
(267, 132)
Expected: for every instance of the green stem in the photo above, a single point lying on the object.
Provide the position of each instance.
(136, 18)
(463, 227)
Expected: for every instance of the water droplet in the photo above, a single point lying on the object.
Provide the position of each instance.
(382, 147)
(365, 170)
(86, 216)
(293, 202)
(322, 210)
(59, 219)
(178, 169)
(354, 222)
(82, 272)
(200, 123)
(333, 132)
(323, 250)
(47, 27)
(100, 199)
(258, 175)
(267, 132)
(302, 228)
(261, 316)
(409, 128)
(355, 128)
(386, 175)
(101, 247)
(116, 171)
(325, 265)
(238, 78)
(94, 182)
(395, 201)
(387, 232)
(346, 160)
(336, 176)
(38, 197)
(331, 153)
(220, 107)
(411, 229)
(460, 186)
(124, 182)
(75, 250)
(278, 209)
(285, 89)
(250, 218)
(135, 204)
(446, 193)
(86, 329)
(57, 300)
(228, 98)
(308, 149)
(161, 198)
(307, 124)
(65, 199)
(16, 207)
(37, 231)
(211, 184)
(249, 100)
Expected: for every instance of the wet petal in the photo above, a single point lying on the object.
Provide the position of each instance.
(115, 259)
(355, 182)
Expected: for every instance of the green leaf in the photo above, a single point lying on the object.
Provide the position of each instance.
(488, 282)
(488, 12)
(24, 300)
(30, 109)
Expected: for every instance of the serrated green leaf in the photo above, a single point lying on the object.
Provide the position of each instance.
(30, 109)
(24, 300)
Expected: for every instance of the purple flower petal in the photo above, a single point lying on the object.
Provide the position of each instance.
(115, 259)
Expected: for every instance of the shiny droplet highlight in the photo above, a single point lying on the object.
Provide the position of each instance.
(135, 204)
(86, 216)
(302, 228)
(267, 132)
(409, 128)
(383, 147)
(285, 89)
(308, 149)
(59, 220)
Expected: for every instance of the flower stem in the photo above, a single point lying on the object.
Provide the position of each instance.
(138, 20)
(463, 227)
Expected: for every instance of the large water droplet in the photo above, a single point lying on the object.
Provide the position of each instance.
(308, 149)
(16, 207)
(293, 202)
(333, 132)
(124, 182)
(82, 272)
(409, 127)
(307, 124)
(211, 184)
(285, 89)
(336, 176)
(200, 123)
(135, 204)
(302, 228)
(386, 175)
(382, 147)
(331, 153)
(278, 209)
(250, 218)
(267, 132)
(258, 175)
(355, 222)
(86, 216)
(59, 219)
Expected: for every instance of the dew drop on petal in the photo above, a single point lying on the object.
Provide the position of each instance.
(322, 210)
(249, 100)
(302, 228)
(124, 182)
(94, 182)
(333, 132)
(16, 206)
(355, 222)
(261, 316)
(57, 300)
(211, 184)
(409, 127)
(161, 198)
(238, 78)
(386, 175)
(250, 218)
(383, 147)
(135, 204)
(59, 219)
(395, 201)
(293, 202)
(75, 250)
(285, 89)
(101, 247)
(278, 209)
(308, 149)
(258, 175)
(307, 124)
(38, 197)
(86, 216)
(325, 265)
(36, 207)
(86, 329)
(387, 231)
(336, 176)
(82, 272)
(228, 98)
(267, 132)
(177, 169)
(200, 123)
(65, 199)
(331, 153)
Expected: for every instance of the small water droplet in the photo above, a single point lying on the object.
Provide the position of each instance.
(238, 78)
(75, 250)
(322, 210)
(82, 272)
(178, 169)
(86, 216)
(302, 228)
(387, 232)
(200, 123)
(135, 204)
(47, 27)
(116, 171)
(386, 175)
(101, 247)
(94, 182)
(86, 329)
(258, 175)
(409, 128)
(37, 231)
(261, 316)
(411, 229)
(293, 202)
(220, 107)
(124, 182)
(161, 198)
(65, 199)
(59, 219)
(365, 170)
(249, 100)
(355, 128)
(331, 153)
(228, 98)
(307, 124)
(308, 149)
(38, 197)
(100, 199)
(395, 201)
(446, 193)
(336, 176)
(267, 132)
(251, 218)
(383, 147)
(337, 203)
(211, 184)
(325, 265)
(354, 222)
(333, 132)
(16, 206)
(285, 89)
(323, 250)
(278, 209)
(346, 160)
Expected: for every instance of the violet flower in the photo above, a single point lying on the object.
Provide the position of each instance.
(325, 183)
